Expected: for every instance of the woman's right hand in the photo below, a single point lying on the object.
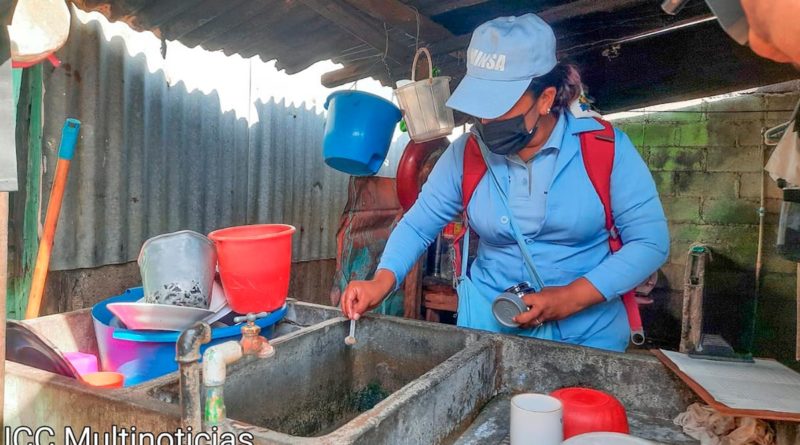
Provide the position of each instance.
(362, 296)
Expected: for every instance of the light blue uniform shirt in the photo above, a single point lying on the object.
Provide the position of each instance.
(563, 224)
(529, 181)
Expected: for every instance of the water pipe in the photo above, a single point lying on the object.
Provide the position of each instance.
(187, 354)
(216, 360)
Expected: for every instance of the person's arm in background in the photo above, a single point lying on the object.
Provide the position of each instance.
(639, 218)
(438, 203)
(774, 29)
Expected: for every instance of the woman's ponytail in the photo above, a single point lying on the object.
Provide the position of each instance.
(567, 82)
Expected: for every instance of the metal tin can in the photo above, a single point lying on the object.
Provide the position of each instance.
(509, 304)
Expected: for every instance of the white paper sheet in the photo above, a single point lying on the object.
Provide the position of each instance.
(763, 385)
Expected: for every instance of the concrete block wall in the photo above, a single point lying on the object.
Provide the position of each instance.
(706, 160)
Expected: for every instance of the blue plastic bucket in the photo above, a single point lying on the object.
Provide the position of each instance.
(358, 131)
(144, 355)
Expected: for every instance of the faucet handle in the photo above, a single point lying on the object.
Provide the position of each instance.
(250, 317)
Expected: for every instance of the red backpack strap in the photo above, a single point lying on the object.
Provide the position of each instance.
(474, 170)
(597, 148)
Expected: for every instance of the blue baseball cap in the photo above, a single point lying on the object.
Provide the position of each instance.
(504, 55)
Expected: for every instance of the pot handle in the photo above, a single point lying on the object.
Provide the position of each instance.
(414, 65)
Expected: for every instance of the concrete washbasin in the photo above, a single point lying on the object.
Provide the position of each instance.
(419, 383)
(404, 382)
(316, 386)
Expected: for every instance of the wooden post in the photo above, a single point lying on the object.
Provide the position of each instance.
(693, 293)
(797, 287)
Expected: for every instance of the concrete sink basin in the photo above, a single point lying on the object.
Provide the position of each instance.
(407, 382)
(404, 382)
(316, 386)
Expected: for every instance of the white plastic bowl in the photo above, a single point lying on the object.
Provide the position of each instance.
(606, 439)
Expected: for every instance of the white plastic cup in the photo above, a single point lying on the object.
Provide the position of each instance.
(536, 419)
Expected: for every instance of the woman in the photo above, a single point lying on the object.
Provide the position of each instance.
(538, 184)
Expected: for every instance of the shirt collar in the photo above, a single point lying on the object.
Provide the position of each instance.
(557, 136)
(553, 142)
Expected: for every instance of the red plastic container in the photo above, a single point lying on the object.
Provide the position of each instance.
(254, 265)
(589, 410)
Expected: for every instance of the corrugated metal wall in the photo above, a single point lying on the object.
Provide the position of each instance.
(155, 158)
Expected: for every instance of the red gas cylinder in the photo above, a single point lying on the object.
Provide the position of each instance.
(415, 165)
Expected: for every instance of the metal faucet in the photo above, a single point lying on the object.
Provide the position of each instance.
(215, 361)
(218, 357)
(252, 343)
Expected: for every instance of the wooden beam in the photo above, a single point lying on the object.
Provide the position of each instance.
(399, 15)
(353, 72)
(351, 20)
(452, 44)
(578, 8)
(553, 15)
(404, 17)
(375, 68)
(447, 6)
(687, 63)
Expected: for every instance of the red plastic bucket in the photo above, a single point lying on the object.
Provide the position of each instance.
(589, 410)
(254, 264)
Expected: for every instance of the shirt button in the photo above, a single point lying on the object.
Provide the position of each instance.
(529, 241)
(504, 219)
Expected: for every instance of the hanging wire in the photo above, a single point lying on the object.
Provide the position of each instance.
(386, 53)
(416, 38)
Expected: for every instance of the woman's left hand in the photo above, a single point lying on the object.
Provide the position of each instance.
(558, 302)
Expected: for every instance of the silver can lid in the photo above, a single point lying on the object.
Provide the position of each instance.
(507, 306)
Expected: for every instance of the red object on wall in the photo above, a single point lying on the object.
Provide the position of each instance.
(415, 165)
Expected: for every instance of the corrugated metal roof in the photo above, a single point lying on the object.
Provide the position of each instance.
(155, 158)
(377, 38)
(246, 27)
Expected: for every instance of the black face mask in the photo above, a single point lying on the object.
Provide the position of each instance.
(506, 137)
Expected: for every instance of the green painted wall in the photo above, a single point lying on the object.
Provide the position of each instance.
(706, 161)
(25, 203)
